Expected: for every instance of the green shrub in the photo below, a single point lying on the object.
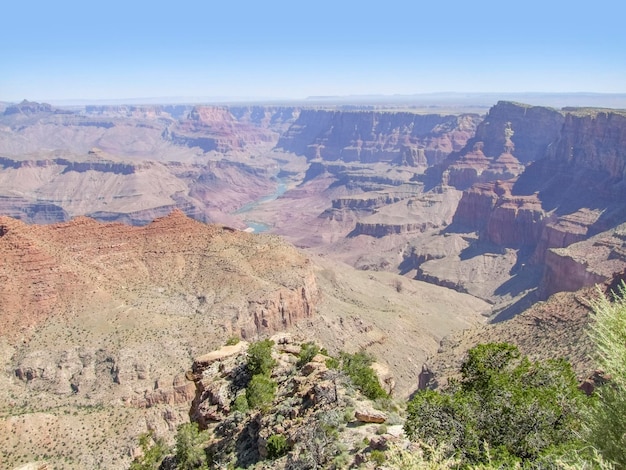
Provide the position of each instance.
(240, 404)
(260, 360)
(276, 446)
(605, 426)
(358, 367)
(190, 442)
(307, 352)
(377, 456)
(260, 392)
(233, 340)
(505, 409)
(333, 363)
(153, 451)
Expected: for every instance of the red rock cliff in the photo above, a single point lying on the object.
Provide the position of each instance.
(253, 284)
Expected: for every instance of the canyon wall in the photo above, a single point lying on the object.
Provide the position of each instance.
(370, 136)
(573, 191)
(511, 136)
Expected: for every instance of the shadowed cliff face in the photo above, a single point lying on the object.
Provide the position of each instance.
(575, 190)
(511, 136)
(526, 131)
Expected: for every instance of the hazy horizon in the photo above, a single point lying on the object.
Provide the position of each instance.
(277, 50)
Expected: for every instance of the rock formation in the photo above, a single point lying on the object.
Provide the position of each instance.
(48, 268)
(572, 188)
(308, 397)
(369, 137)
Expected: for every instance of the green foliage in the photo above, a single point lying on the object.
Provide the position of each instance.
(276, 446)
(358, 367)
(605, 426)
(307, 352)
(505, 408)
(153, 451)
(240, 404)
(377, 456)
(190, 442)
(333, 363)
(260, 359)
(233, 340)
(260, 392)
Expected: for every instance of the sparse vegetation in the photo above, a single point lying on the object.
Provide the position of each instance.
(377, 456)
(276, 446)
(260, 359)
(189, 450)
(153, 451)
(307, 352)
(240, 404)
(233, 340)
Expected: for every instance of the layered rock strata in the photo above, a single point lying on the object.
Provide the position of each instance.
(369, 137)
(48, 268)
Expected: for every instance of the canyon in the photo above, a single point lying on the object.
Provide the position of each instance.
(393, 230)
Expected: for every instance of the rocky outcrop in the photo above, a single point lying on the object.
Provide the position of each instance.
(373, 199)
(474, 167)
(134, 111)
(593, 140)
(575, 190)
(70, 165)
(368, 136)
(511, 136)
(369, 415)
(584, 167)
(526, 131)
(500, 217)
(592, 261)
(214, 128)
(275, 118)
(389, 227)
(32, 211)
(309, 400)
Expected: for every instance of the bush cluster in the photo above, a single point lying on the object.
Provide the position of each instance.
(505, 409)
(261, 389)
(307, 352)
(189, 450)
(358, 367)
(605, 420)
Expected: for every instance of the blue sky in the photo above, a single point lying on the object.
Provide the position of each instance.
(60, 50)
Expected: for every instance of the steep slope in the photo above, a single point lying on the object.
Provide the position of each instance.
(571, 191)
(555, 328)
(101, 321)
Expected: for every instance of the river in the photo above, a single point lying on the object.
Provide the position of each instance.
(255, 226)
